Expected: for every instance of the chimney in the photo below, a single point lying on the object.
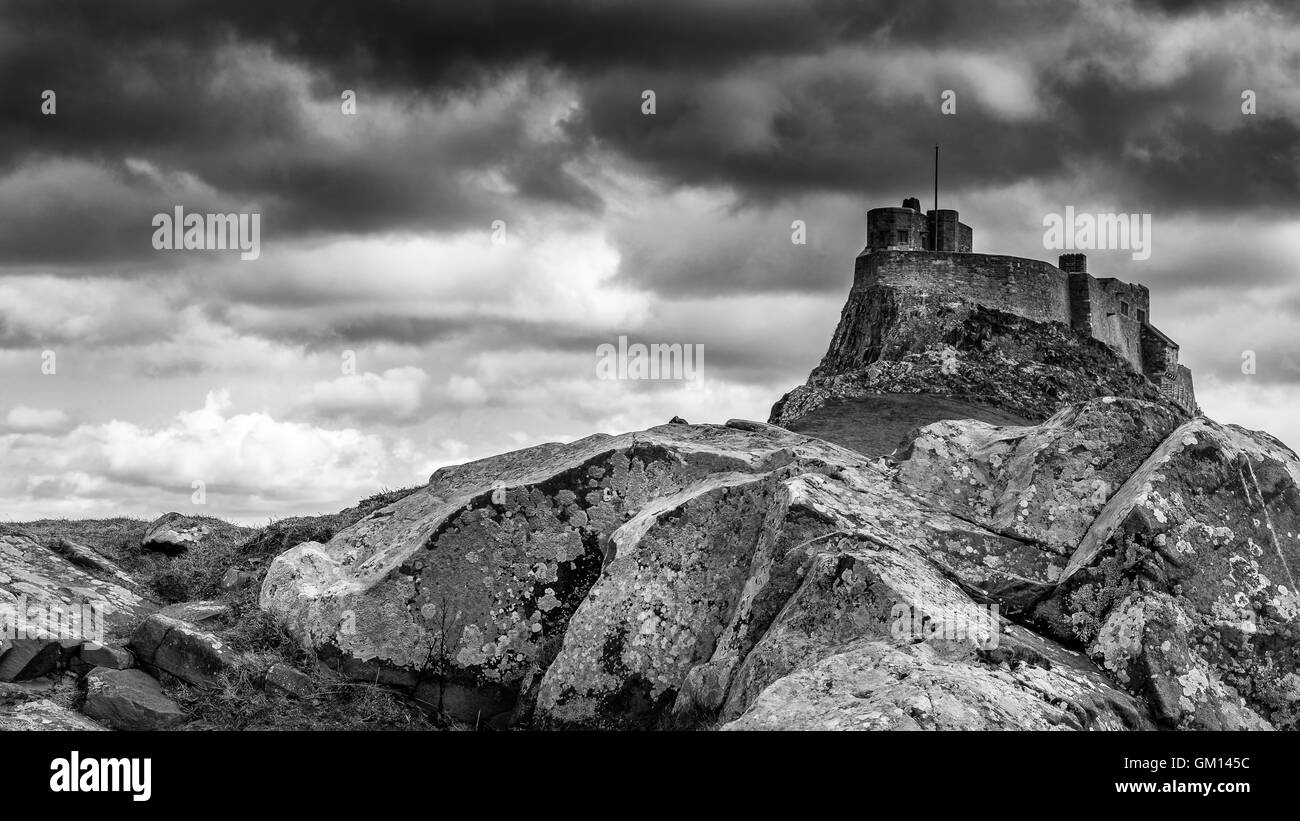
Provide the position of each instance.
(913, 203)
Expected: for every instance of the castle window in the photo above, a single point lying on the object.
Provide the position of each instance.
(1142, 315)
(1123, 309)
(902, 238)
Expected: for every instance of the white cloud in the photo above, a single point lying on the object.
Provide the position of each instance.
(252, 465)
(394, 396)
(24, 419)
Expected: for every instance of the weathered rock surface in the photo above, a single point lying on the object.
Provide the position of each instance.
(85, 557)
(197, 613)
(1185, 585)
(174, 533)
(24, 659)
(879, 685)
(284, 679)
(179, 648)
(665, 578)
(73, 599)
(1042, 483)
(44, 714)
(129, 700)
(92, 655)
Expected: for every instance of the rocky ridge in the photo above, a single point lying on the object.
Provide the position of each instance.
(964, 520)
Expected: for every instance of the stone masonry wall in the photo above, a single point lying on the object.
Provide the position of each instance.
(1025, 287)
(1111, 324)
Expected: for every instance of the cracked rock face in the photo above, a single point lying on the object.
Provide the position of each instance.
(1185, 584)
(471, 582)
(878, 685)
(83, 598)
(1040, 483)
(751, 577)
(667, 578)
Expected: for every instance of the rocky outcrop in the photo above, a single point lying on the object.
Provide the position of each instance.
(670, 577)
(958, 360)
(1184, 586)
(73, 600)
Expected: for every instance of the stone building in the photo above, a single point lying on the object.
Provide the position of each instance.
(932, 253)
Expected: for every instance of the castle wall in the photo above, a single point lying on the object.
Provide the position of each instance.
(1113, 309)
(1159, 355)
(1107, 309)
(1025, 287)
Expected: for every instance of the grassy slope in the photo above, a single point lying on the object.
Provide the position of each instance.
(875, 425)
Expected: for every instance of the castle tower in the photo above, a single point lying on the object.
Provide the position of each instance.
(907, 229)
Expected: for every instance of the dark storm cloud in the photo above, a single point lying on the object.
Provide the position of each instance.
(137, 80)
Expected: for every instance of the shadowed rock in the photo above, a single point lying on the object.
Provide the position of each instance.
(129, 700)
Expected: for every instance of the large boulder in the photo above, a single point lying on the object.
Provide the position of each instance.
(174, 533)
(624, 581)
(129, 700)
(465, 588)
(1184, 588)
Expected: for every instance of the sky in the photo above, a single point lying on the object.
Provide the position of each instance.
(440, 264)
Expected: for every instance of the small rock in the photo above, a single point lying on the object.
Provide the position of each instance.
(236, 579)
(677, 420)
(129, 700)
(99, 655)
(285, 679)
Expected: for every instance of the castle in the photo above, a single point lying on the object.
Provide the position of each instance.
(932, 253)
